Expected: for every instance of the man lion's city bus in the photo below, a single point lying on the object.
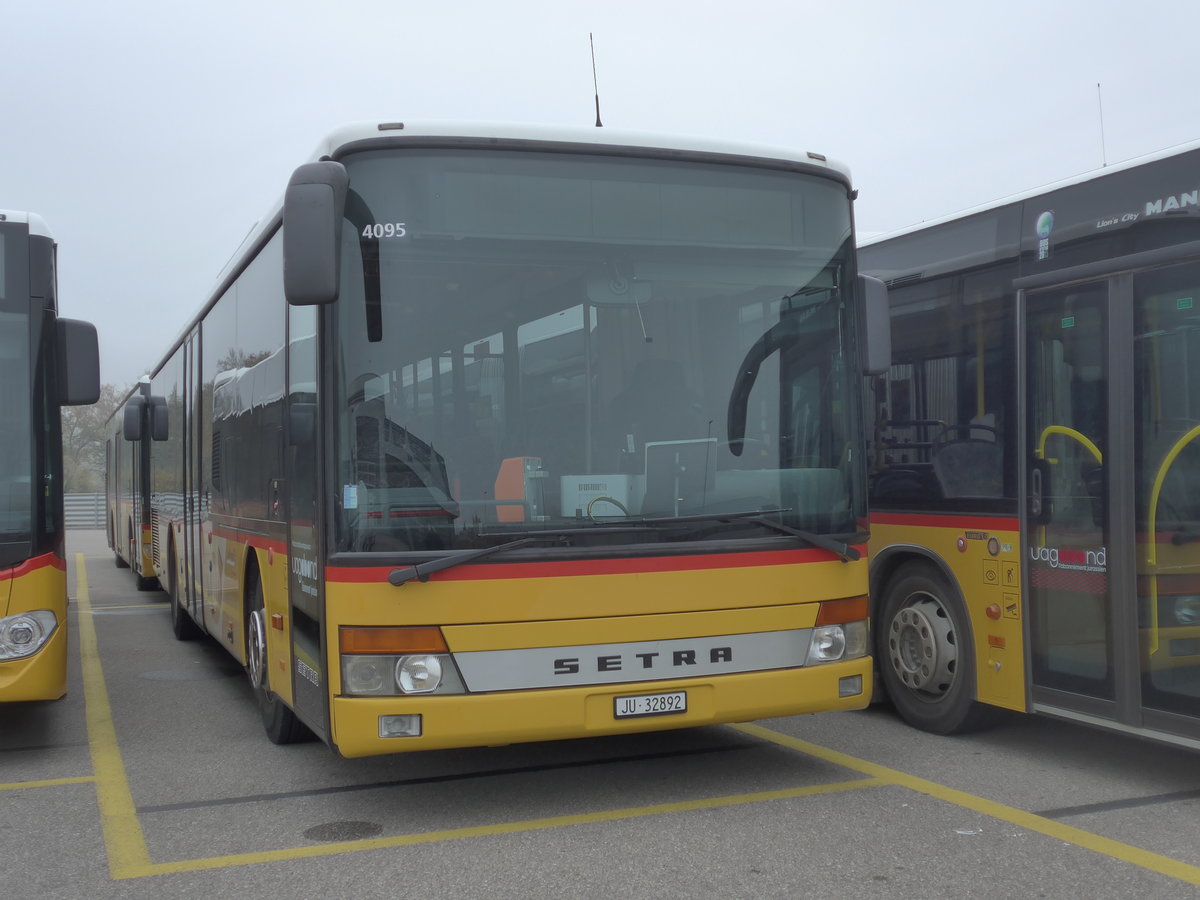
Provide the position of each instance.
(1035, 480)
(494, 434)
(45, 363)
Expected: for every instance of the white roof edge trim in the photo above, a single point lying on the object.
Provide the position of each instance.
(37, 225)
(1050, 187)
(609, 137)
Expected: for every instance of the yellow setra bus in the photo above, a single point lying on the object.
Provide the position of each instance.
(45, 363)
(493, 434)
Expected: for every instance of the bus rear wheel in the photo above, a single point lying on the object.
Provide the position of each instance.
(280, 722)
(925, 653)
(182, 625)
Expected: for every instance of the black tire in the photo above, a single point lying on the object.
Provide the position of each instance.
(183, 626)
(925, 652)
(121, 564)
(140, 582)
(280, 722)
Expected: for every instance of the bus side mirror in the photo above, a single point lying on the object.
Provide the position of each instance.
(876, 326)
(131, 425)
(78, 363)
(159, 419)
(312, 233)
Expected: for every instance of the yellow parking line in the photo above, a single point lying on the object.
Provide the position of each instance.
(1154, 862)
(49, 782)
(453, 834)
(129, 856)
(123, 836)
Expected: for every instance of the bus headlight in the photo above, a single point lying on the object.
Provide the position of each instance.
(383, 661)
(830, 643)
(366, 674)
(419, 674)
(381, 676)
(26, 633)
(827, 644)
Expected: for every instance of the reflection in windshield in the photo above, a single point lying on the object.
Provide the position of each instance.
(572, 364)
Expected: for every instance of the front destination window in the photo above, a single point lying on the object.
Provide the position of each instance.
(625, 350)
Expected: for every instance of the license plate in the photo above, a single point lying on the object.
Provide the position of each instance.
(650, 705)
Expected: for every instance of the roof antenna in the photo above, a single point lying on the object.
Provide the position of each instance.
(595, 84)
(1100, 103)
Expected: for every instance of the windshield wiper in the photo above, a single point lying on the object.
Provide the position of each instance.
(824, 542)
(759, 517)
(844, 550)
(422, 571)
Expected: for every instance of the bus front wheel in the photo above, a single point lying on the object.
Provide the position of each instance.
(280, 722)
(925, 654)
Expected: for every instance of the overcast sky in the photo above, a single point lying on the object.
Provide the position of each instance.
(152, 135)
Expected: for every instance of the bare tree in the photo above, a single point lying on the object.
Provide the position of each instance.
(83, 441)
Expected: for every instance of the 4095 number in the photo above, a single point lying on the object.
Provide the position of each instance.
(384, 230)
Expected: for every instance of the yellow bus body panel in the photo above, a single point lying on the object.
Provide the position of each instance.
(467, 720)
(986, 582)
(42, 676)
(515, 613)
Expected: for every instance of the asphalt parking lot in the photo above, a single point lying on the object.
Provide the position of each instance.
(152, 778)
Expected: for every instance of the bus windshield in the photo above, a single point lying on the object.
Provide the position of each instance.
(532, 341)
(16, 489)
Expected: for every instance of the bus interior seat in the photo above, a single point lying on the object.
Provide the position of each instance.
(972, 466)
(905, 483)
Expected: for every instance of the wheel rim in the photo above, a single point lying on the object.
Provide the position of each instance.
(257, 650)
(922, 647)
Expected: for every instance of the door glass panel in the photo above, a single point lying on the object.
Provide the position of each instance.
(1067, 536)
(300, 499)
(1167, 416)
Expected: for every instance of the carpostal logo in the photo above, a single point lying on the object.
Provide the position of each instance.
(1045, 224)
(1077, 560)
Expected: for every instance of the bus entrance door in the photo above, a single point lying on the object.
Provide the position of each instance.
(1111, 388)
(306, 592)
(1067, 536)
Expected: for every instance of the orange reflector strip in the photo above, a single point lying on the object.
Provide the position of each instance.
(997, 641)
(837, 612)
(391, 640)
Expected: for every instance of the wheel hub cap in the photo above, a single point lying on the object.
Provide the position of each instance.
(257, 651)
(921, 647)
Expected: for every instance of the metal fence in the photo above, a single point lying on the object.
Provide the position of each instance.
(84, 510)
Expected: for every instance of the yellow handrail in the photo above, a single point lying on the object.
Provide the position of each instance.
(1071, 433)
(1083, 439)
(1152, 529)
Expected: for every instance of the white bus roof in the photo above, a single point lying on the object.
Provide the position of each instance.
(1092, 175)
(608, 137)
(37, 225)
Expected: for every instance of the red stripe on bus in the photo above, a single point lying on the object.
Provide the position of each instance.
(250, 540)
(957, 522)
(46, 560)
(640, 565)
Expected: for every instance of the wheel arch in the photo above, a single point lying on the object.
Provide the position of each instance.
(894, 558)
